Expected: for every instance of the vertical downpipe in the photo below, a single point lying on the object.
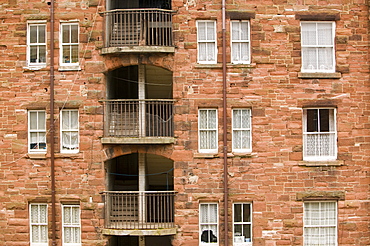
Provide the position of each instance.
(224, 97)
(52, 126)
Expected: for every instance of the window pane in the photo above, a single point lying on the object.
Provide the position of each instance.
(237, 213)
(33, 34)
(210, 31)
(324, 120)
(42, 54)
(324, 34)
(308, 31)
(312, 120)
(65, 34)
(325, 58)
(66, 54)
(74, 32)
(74, 53)
(201, 31)
(208, 233)
(41, 29)
(309, 58)
(246, 213)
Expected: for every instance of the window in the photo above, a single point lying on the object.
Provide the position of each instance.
(71, 225)
(242, 130)
(242, 224)
(207, 130)
(240, 44)
(36, 44)
(37, 131)
(318, 46)
(39, 224)
(69, 131)
(319, 136)
(207, 49)
(69, 44)
(208, 224)
(320, 223)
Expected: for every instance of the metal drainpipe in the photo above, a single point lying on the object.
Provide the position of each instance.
(226, 192)
(52, 126)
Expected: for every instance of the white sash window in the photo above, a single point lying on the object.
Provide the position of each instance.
(207, 48)
(317, 39)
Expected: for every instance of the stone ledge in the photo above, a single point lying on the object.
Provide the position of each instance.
(313, 195)
(199, 65)
(205, 155)
(137, 49)
(336, 163)
(69, 68)
(138, 232)
(37, 155)
(319, 75)
(143, 140)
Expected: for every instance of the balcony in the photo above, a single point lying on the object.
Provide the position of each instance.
(138, 31)
(135, 121)
(127, 212)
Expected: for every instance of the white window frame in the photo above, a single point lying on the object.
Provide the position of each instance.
(69, 44)
(237, 41)
(38, 224)
(316, 47)
(207, 41)
(71, 225)
(307, 224)
(63, 148)
(314, 137)
(245, 131)
(207, 129)
(40, 63)
(240, 240)
(39, 131)
(209, 224)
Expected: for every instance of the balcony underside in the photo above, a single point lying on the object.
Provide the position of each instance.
(143, 140)
(136, 232)
(138, 49)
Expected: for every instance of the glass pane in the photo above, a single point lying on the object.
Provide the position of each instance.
(235, 31)
(202, 51)
(211, 55)
(325, 33)
(33, 34)
(75, 215)
(326, 58)
(244, 32)
(236, 52)
(41, 121)
(209, 234)
(42, 54)
(237, 119)
(210, 31)
(237, 213)
(66, 54)
(324, 120)
(74, 33)
(33, 54)
(67, 215)
(247, 231)
(74, 120)
(41, 33)
(34, 214)
(308, 31)
(309, 58)
(74, 53)
(35, 234)
(65, 34)
(246, 213)
(246, 118)
(43, 213)
(238, 230)
(33, 120)
(312, 120)
(201, 31)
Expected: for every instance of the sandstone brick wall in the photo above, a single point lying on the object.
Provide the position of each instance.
(273, 177)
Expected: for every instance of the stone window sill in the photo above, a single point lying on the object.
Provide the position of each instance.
(335, 163)
(69, 68)
(205, 155)
(37, 155)
(319, 75)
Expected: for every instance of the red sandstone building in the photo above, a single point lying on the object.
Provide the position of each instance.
(184, 122)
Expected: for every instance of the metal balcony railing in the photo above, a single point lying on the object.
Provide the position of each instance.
(143, 210)
(138, 27)
(138, 118)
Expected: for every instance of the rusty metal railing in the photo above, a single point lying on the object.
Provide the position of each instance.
(138, 118)
(139, 209)
(138, 27)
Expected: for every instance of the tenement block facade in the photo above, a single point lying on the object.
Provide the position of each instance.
(184, 122)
